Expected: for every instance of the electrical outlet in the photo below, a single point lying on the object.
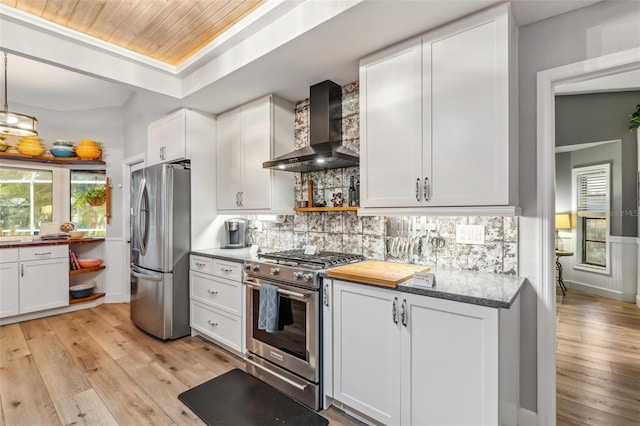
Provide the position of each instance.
(470, 234)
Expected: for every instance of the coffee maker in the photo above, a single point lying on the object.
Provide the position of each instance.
(235, 233)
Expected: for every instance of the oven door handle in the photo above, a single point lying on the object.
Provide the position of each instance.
(302, 387)
(250, 283)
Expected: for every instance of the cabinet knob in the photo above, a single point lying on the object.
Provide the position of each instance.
(211, 323)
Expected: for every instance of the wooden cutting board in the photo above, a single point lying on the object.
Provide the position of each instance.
(377, 272)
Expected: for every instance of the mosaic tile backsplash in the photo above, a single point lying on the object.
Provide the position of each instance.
(376, 237)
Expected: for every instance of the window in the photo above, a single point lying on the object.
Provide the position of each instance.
(591, 193)
(88, 207)
(26, 199)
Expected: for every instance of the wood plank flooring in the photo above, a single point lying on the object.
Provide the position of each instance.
(94, 367)
(597, 361)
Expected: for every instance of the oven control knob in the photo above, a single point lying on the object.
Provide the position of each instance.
(247, 267)
(275, 271)
(255, 268)
(297, 275)
(307, 277)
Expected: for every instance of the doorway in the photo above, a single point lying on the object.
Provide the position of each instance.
(546, 326)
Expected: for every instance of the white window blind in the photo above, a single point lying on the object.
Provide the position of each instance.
(592, 188)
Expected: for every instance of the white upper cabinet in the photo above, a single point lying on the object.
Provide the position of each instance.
(247, 137)
(173, 137)
(438, 121)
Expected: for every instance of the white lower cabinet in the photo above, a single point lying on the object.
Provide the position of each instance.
(44, 278)
(217, 301)
(9, 283)
(408, 359)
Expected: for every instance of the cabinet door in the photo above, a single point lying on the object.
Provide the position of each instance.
(449, 363)
(9, 289)
(229, 163)
(466, 72)
(256, 148)
(44, 284)
(166, 139)
(366, 356)
(391, 127)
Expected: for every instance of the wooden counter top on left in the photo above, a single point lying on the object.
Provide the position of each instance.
(37, 242)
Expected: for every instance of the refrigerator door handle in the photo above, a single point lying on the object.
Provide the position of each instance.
(139, 235)
(137, 274)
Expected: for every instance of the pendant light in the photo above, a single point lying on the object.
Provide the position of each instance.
(13, 123)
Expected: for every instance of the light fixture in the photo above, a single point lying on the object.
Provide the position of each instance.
(563, 221)
(13, 123)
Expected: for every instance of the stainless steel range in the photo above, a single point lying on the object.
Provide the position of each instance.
(289, 358)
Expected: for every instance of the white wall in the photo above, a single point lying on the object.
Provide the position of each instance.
(603, 28)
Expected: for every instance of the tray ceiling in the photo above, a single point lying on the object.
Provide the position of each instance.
(167, 30)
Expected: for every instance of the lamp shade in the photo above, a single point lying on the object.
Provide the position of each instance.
(563, 221)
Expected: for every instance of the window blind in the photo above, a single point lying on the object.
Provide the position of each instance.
(592, 189)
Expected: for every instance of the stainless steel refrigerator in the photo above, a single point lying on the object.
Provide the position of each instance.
(160, 245)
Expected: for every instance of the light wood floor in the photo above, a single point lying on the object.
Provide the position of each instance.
(597, 361)
(94, 367)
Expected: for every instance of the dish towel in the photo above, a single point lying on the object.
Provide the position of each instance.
(268, 309)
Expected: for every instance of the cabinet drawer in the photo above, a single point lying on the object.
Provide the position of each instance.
(226, 269)
(201, 264)
(219, 293)
(43, 252)
(8, 255)
(220, 326)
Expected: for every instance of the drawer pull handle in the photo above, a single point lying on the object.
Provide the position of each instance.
(43, 254)
(212, 291)
(212, 323)
(226, 269)
(198, 264)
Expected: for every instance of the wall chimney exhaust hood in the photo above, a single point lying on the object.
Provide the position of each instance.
(325, 135)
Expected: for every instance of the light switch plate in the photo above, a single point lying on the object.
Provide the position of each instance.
(470, 234)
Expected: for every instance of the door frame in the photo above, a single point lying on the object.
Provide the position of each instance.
(129, 164)
(545, 239)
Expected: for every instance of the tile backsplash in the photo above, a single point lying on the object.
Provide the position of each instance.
(375, 236)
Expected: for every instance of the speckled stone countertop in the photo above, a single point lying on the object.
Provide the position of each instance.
(232, 255)
(478, 288)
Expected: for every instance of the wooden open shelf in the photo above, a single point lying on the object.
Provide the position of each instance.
(325, 209)
(85, 270)
(91, 297)
(50, 159)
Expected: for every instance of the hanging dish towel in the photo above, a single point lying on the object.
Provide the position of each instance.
(268, 309)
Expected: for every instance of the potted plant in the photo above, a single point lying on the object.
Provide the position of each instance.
(634, 120)
(96, 196)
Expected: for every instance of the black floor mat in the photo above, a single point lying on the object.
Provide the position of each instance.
(239, 399)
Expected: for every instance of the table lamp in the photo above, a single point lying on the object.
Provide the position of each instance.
(563, 221)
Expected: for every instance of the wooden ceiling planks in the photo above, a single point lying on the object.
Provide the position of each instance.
(167, 30)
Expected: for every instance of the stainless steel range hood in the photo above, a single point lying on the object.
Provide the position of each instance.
(325, 135)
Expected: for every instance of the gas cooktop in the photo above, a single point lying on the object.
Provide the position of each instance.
(322, 260)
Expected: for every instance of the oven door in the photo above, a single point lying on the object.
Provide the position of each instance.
(295, 345)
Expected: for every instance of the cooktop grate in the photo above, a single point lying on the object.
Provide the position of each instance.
(324, 259)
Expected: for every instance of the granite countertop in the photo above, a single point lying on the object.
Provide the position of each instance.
(232, 255)
(35, 242)
(478, 288)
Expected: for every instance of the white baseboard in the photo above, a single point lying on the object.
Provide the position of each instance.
(638, 300)
(527, 418)
(598, 291)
